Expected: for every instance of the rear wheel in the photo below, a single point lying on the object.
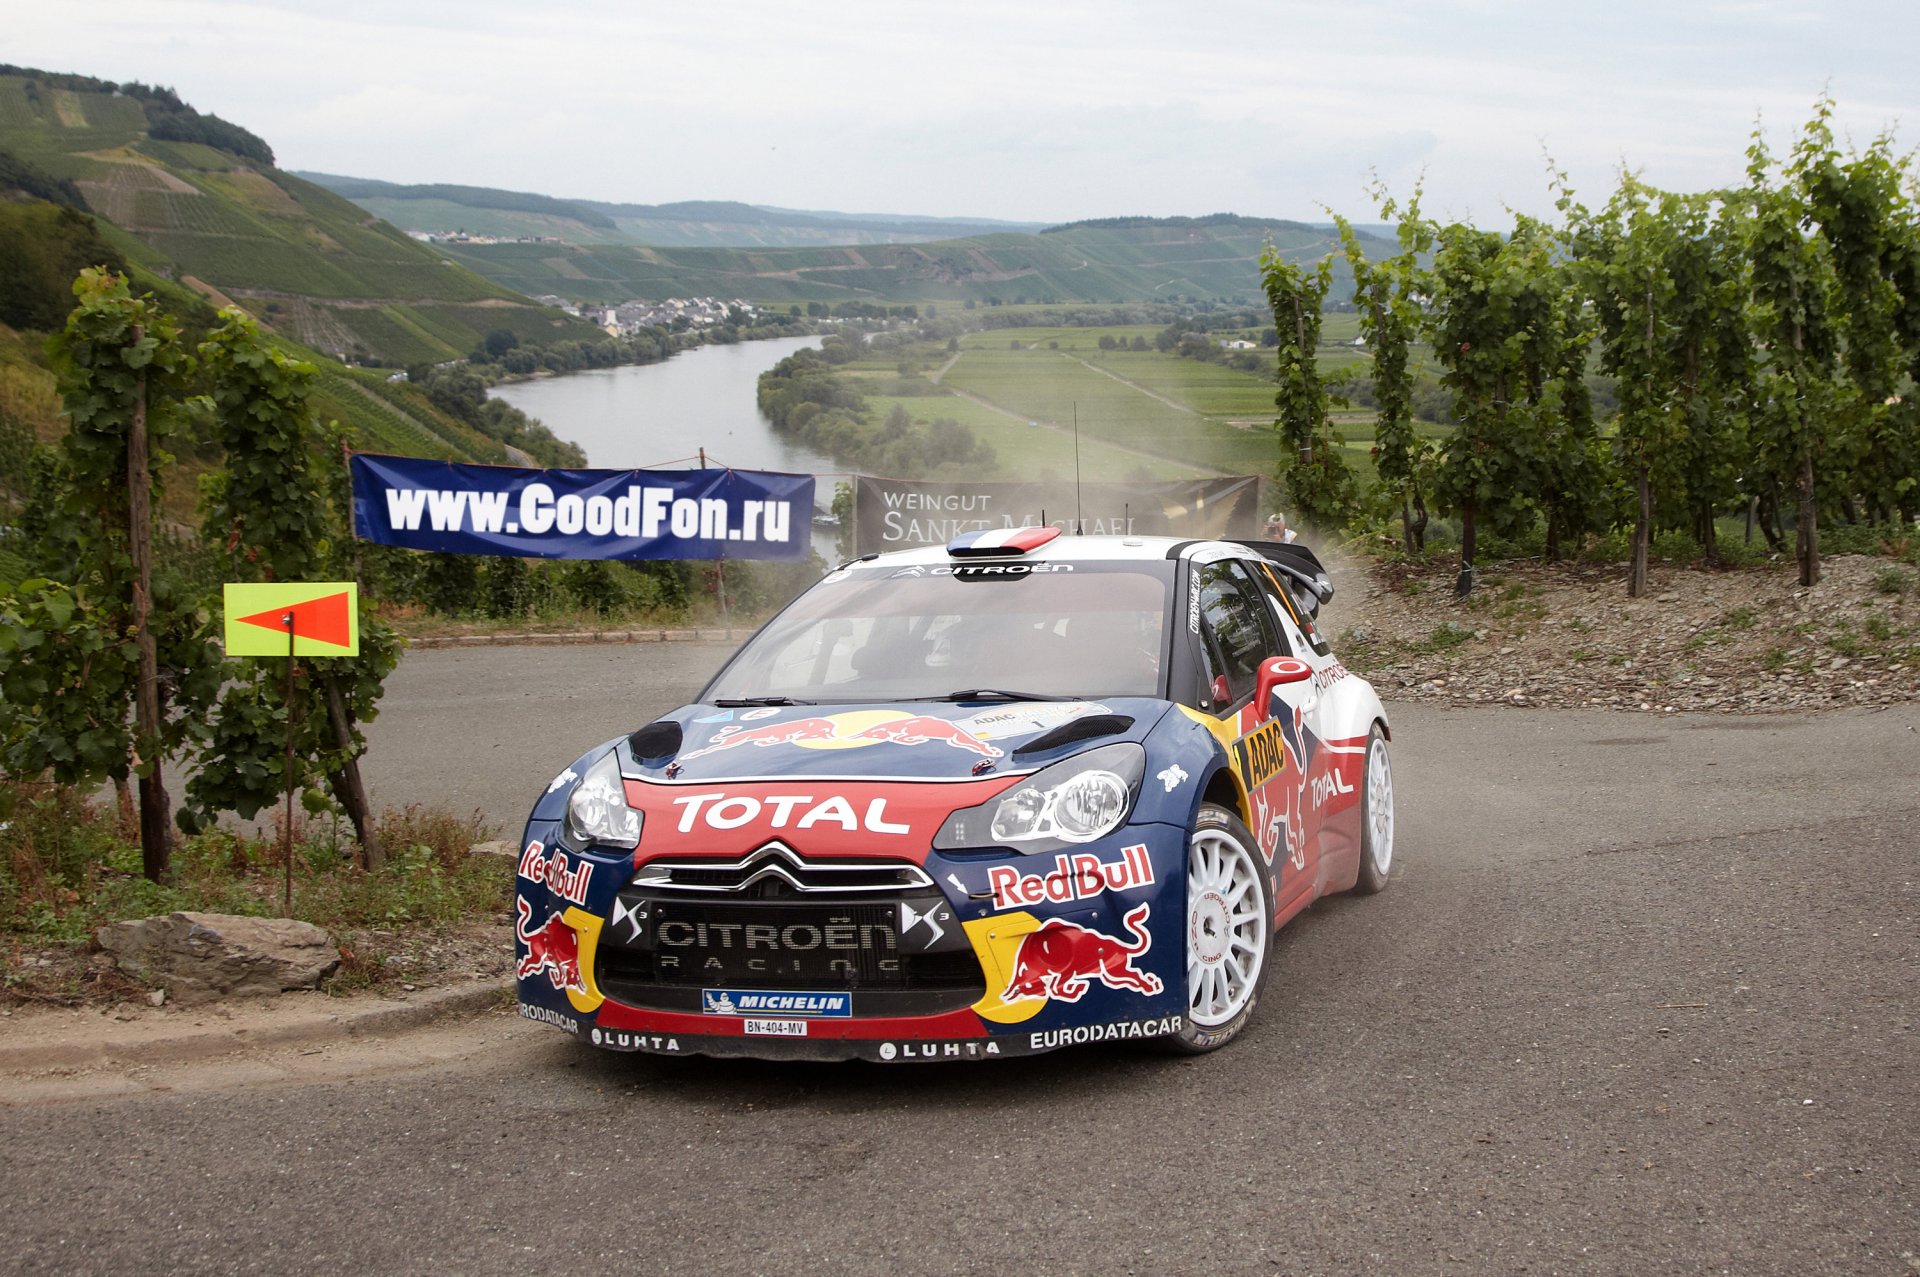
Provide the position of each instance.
(1229, 931)
(1376, 817)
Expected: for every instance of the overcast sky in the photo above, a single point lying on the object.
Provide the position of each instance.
(1036, 110)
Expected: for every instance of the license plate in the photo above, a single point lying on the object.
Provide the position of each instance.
(777, 1028)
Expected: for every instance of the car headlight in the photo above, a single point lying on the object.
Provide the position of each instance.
(597, 810)
(1074, 801)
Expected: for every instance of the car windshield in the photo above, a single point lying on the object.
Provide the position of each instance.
(1068, 629)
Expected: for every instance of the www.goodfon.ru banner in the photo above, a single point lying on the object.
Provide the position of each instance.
(581, 514)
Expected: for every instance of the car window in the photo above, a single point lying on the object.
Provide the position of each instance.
(1286, 615)
(1235, 621)
(1281, 591)
(1067, 629)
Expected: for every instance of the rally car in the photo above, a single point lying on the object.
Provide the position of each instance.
(1020, 792)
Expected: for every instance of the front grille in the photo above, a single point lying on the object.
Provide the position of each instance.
(775, 921)
(763, 872)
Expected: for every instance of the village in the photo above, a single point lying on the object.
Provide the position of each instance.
(678, 313)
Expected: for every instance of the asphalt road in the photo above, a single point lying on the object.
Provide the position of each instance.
(1641, 999)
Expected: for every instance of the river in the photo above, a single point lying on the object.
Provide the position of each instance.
(659, 416)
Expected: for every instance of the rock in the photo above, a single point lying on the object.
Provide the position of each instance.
(158, 998)
(504, 850)
(201, 957)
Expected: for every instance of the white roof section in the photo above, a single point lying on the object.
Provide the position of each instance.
(1065, 546)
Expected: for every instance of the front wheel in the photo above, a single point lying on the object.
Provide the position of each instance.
(1229, 931)
(1376, 817)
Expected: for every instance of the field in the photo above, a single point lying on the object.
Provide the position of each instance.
(1198, 415)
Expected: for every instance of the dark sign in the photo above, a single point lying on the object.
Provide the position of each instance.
(895, 514)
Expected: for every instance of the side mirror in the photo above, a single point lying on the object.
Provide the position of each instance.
(1277, 672)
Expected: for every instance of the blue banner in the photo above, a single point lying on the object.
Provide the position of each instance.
(581, 514)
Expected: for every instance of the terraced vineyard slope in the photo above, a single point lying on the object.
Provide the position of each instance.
(216, 215)
(1123, 260)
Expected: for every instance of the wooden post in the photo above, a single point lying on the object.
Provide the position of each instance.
(1808, 540)
(286, 830)
(155, 835)
(1642, 531)
(347, 785)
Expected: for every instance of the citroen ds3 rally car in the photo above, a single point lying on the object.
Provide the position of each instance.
(1014, 794)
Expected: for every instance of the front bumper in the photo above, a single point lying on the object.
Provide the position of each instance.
(773, 955)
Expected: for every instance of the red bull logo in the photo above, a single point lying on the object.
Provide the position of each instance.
(552, 947)
(560, 875)
(921, 728)
(1076, 877)
(849, 731)
(793, 733)
(1058, 961)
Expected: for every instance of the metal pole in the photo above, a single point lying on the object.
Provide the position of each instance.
(1078, 528)
(286, 832)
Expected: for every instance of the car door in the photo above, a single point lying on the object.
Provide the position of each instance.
(1240, 632)
(1319, 783)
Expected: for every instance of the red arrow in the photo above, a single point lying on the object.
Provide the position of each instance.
(324, 620)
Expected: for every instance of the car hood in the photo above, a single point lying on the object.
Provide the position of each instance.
(899, 741)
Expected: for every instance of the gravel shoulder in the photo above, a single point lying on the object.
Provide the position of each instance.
(1567, 636)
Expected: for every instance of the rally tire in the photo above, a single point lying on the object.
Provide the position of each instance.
(1228, 930)
(1376, 817)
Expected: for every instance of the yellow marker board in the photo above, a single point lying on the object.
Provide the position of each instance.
(325, 617)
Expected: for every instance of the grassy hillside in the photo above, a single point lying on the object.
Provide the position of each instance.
(693, 223)
(316, 267)
(1164, 260)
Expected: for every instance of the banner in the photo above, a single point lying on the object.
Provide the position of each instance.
(581, 514)
(894, 514)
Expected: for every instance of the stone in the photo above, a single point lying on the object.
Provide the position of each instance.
(497, 848)
(202, 957)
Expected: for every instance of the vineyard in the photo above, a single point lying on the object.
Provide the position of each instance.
(1764, 341)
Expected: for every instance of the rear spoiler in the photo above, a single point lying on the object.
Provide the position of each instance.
(1296, 561)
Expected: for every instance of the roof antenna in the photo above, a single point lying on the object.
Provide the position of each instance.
(1078, 526)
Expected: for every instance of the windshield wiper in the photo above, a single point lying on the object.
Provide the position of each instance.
(741, 702)
(997, 694)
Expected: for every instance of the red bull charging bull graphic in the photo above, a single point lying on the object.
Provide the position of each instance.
(845, 731)
(553, 948)
(1059, 960)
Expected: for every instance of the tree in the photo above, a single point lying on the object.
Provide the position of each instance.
(115, 637)
(1484, 303)
(1856, 205)
(276, 508)
(1386, 296)
(1795, 294)
(1312, 470)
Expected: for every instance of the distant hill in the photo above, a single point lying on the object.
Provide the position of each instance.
(195, 198)
(1121, 260)
(615, 252)
(686, 224)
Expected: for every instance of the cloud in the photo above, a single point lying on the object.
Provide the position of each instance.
(1007, 108)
